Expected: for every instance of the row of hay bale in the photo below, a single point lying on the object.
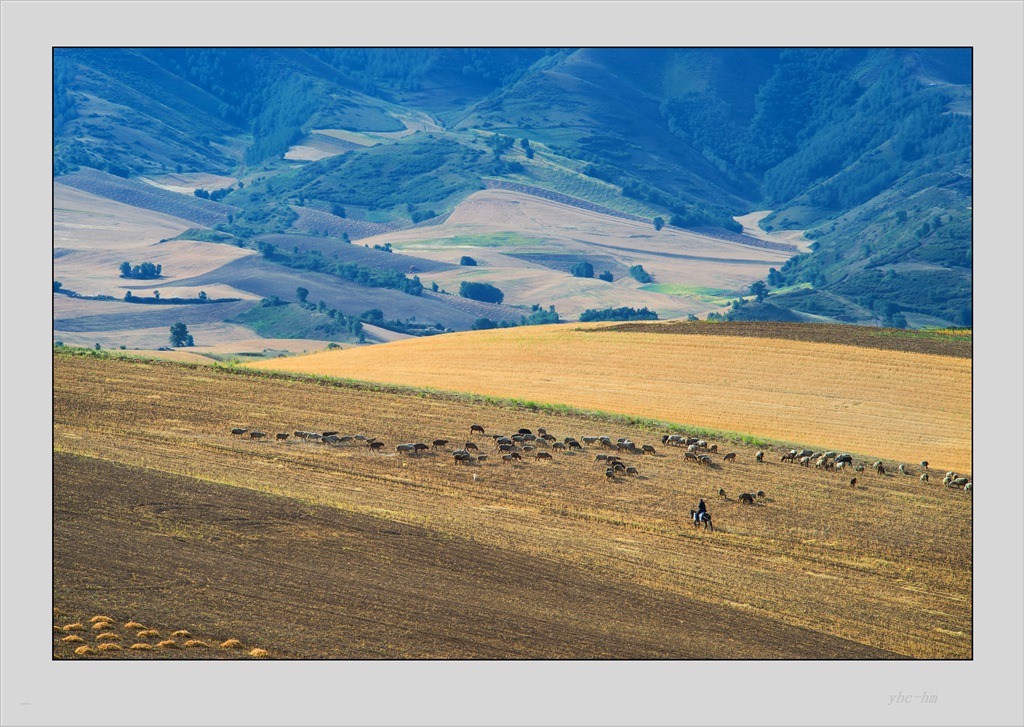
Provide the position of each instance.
(107, 636)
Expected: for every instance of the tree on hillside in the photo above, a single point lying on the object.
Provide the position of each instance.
(301, 294)
(467, 260)
(759, 290)
(481, 291)
(606, 276)
(641, 275)
(658, 223)
(180, 335)
(582, 270)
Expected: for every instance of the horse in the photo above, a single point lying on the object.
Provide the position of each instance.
(704, 518)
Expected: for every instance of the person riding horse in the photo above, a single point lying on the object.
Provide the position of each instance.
(702, 510)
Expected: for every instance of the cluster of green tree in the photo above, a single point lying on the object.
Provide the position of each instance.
(641, 275)
(582, 269)
(467, 260)
(618, 314)
(361, 274)
(538, 317)
(352, 325)
(200, 235)
(215, 195)
(410, 326)
(200, 299)
(143, 271)
(484, 292)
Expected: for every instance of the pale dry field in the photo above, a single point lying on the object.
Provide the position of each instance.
(84, 221)
(671, 256)
(751, 228)
(893, 405)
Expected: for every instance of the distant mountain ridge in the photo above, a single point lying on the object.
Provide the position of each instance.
(868, 150)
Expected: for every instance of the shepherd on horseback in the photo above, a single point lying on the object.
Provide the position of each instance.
(701, 516)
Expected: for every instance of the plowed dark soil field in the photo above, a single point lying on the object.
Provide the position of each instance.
(164, 519)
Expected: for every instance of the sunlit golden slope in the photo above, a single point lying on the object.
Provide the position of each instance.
(888, 404)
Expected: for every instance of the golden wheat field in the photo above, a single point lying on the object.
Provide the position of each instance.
(825, 394)
(301, 549)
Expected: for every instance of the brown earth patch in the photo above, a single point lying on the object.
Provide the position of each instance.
(959, 345)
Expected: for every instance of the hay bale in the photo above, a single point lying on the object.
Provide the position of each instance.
(195, 643)
(182, 633)
(109, 647)
(134, 625)
(74, 627)
(258, 653)
(148, 632)
(100, 625)
(232, 644)
(96, 619)
(73, 638)
(83, 650)
(167, 644)
(107, 636)
(140, 646)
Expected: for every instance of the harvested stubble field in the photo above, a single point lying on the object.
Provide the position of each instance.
(332, 551)
(876, 392)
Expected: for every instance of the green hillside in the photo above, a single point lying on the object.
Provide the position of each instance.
(868, 150)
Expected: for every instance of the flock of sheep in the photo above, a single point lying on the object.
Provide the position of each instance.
(541, 445)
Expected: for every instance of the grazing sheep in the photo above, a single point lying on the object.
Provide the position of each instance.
(924, 477)
(924, 463)
(524, 430)
(647, 449)
(760, 494)
(590, 440)
(731, 457)
(558, 445)
(692, 448)
(476, 428)
(788, 457)
(375, 446)
(609, 473)
(600, 457)
(806, 460)
(848, 458)
(721, 493)
(462, 456)
(804, 453)
(573, 444)
(471, 446)
(331, 439)
(759, 457)
(440, 443)
(853, 482)
(509, 458)
(903, 470)
(618, 467)
(481, 458)
(958, 482)
(687, 456)
(704, 460)
(746, 498)
(859, 468)
(829, 455)
(632, 471)
(879, 468)
(713, 448)
(256, 435)
(328, 434)
(544, 455)
(839, 467)
(238, 431)
(281, 437)
(969, 487)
